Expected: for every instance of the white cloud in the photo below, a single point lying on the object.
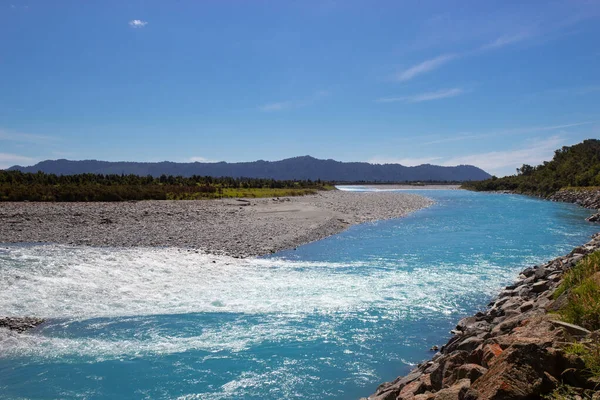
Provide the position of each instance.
(24, 137)
(137, 23)
(502, 163)
(424, 67)
(516, 131)
(409, 162)
(8, 160)
(506, 40)
(418, 98)
(200, 160)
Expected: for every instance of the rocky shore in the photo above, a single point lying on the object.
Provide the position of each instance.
(513, 350)
(236, 227)
(585, 198)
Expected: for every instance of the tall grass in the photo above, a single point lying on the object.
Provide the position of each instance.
(581, 285)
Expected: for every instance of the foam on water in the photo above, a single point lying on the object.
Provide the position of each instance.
(55, 281)
(330, 320)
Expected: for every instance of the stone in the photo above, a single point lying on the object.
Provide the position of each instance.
(20, 324)
(520, 372)
(454, 392)
(490, 352)
(469, 344)
(526, 306)
(594, 218)
(571, 329)
(540, 287)
(444, 367)
(470, 371)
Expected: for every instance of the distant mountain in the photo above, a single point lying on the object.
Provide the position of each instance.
(292, 168)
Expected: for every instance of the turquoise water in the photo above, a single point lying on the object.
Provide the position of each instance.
(331, 319)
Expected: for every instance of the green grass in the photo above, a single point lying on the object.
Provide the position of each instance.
(581, 285)
(589, 353)
(243, 193)
(583, 271)
(565, 392)
(582, 188)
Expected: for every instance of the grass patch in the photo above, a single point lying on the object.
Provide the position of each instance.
(583, 271)
(566, 392)
(239, 193)
(581, 286)
(582, 188)
(589, 353)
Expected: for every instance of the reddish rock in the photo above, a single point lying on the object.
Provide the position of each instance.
(454, 392)
(470, 371)
(490, 352)
(519, 372)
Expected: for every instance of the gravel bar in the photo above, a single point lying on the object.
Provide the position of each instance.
(236, 227)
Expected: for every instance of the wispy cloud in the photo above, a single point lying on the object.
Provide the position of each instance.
(8, 160)
(506, 132)
(278, 106)
(200, 160)
(425, 66)
(6, 135)
(137, 23)
(289, 104)
(506, 40)
(505, 162)
(409, 162)
(428, 96)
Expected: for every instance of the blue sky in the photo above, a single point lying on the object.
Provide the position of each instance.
(490, 83)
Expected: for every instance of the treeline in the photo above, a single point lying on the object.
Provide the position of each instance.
(19, 186)
(574, 166)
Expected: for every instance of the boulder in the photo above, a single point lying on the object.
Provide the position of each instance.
(540, 286)
(571, 329)
(454, 392)
(519, 372)
(490, 352)
(20, 324)
(594, 218)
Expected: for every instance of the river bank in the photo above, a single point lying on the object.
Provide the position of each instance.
(235, 227)
(514, 349)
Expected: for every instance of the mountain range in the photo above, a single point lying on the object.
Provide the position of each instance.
(305, 167)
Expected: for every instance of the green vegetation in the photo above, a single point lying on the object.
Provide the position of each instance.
(575, 166)
(566, 392)
(18, 186)
(582, 287)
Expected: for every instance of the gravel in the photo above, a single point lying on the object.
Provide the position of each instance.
(240, 228)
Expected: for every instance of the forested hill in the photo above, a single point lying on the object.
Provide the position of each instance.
(574, 166)
(297, 168)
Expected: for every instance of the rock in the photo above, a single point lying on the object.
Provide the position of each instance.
(434, 348)
(20, 324)
(528, 272)
(466, 371)
(469, 344)
(594, 218)
(526, 306)
(520, 372)
(454, 392)
(540, 287)
(490, 352)
(574, 330)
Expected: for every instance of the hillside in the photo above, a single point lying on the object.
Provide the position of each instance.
(574, 166)
(297, 168)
